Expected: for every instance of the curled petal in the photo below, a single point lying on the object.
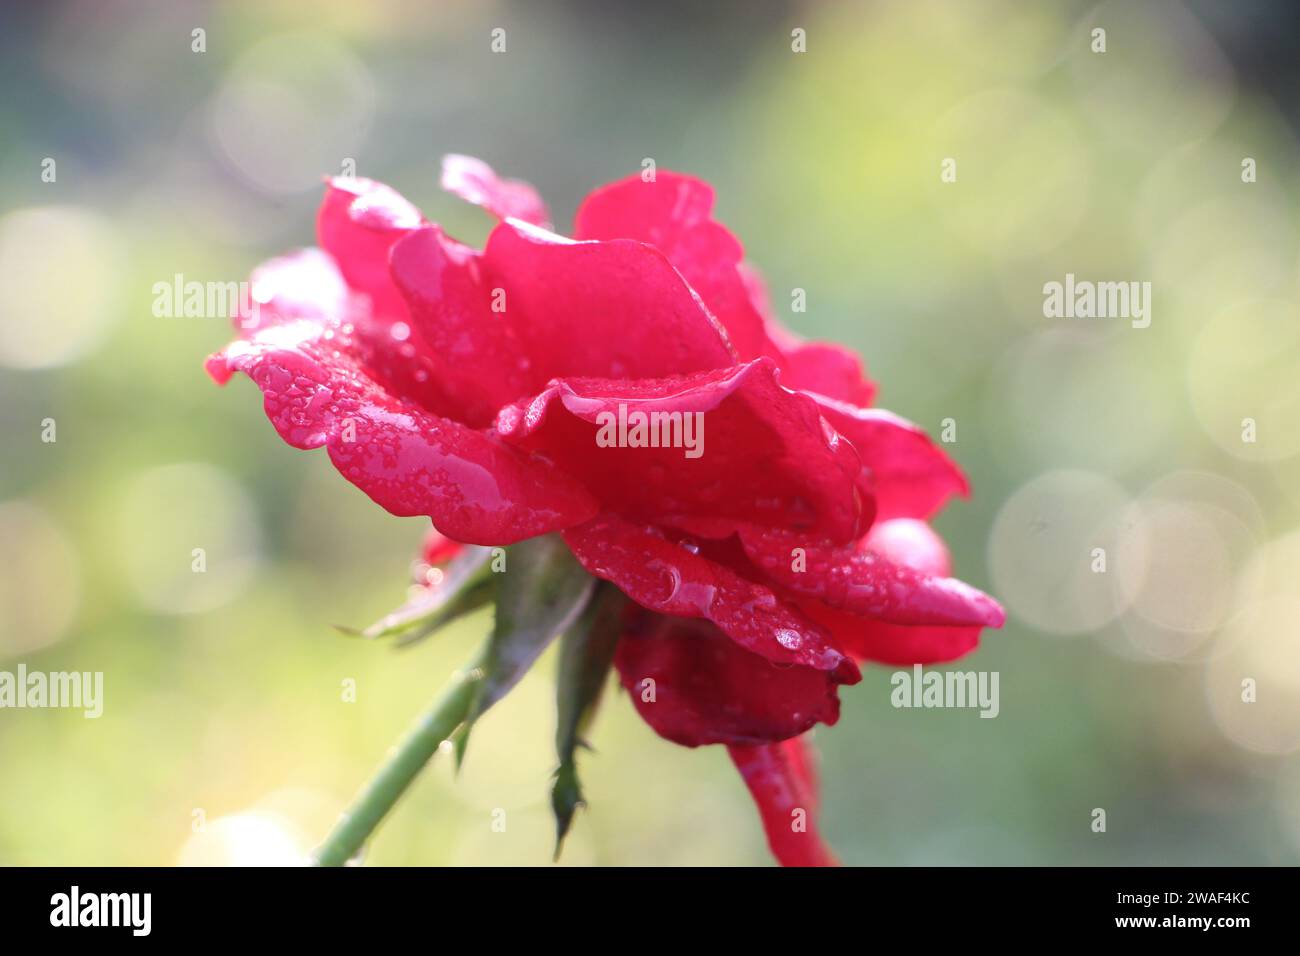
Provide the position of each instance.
(867, 639)
(358, 222)
(706, 689)
(671, 579)
(307, 285)
(913, 476)
(409, 461)
(673, 214)
(778, 779)
(914, 544)
(827, 369)
(658, 211)
(437, 548)
(730, 444)
(475, 182)
(822, 367)
(909, 542)
(867, 584)
(602, 309)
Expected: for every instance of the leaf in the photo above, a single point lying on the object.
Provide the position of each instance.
(465, 586)
(540, 594)
(586, 655)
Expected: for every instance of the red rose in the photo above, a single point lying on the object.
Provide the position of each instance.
(489, 390)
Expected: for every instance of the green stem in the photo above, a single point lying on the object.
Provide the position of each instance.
(404, 763)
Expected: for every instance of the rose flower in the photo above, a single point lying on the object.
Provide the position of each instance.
(547, 385)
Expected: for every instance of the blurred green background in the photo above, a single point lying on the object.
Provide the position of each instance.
(225, 736)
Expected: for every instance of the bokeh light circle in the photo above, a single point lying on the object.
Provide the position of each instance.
(1162, 81)
(1264, 650)
(165, 516)
(246, 839)
(1179, 574)
(59, 267)
(292, 109)
(1022, 174)
(1244, 366)
(1042, 551)
(1222, 251)
(1183, 572)
(40, 589)
(1263, 646)
(1065, 397)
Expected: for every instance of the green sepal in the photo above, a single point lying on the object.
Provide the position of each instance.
(540, 593)
(586, 655)
(466, 585)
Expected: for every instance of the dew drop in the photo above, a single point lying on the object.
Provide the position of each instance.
(789, 639)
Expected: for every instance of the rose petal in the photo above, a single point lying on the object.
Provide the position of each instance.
(760, 453)
(672, 213)
(317, 392)
(358, 222)
(668, 578)
(822, 367)
(909, 542)
(914, 544)
(475, 182)
(867, 584)
(307, 284)
(827, 369)
(707, 689)
(802, 756)
(867, 639)
(437, 548)
(602, 309)
(913, 476)
(785, 796)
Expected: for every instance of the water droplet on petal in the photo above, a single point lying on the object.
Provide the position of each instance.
(789, 639)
